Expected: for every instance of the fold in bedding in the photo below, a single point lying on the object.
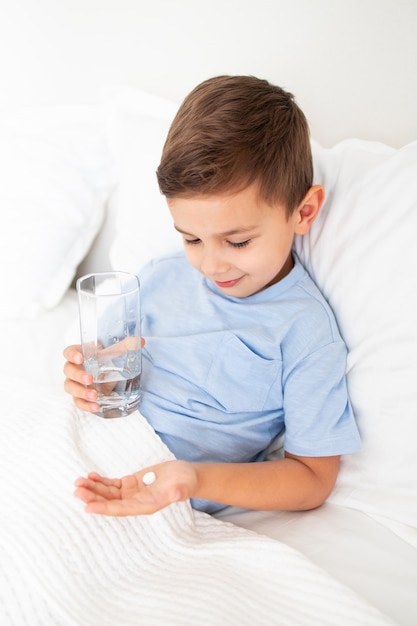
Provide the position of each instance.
(59, 565)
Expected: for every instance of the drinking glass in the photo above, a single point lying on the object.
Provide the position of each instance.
(109, 311)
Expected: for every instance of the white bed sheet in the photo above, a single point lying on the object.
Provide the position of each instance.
(355, 549)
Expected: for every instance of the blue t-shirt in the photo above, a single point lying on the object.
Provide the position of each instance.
(223, 376)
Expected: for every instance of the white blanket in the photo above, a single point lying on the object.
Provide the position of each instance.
(60, 566)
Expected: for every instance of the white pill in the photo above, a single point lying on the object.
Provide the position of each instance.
(149, 478)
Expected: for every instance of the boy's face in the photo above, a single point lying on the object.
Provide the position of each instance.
(236, 240)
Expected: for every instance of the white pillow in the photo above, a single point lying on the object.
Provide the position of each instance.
(55, 178)
(362, 253)
(137, 124)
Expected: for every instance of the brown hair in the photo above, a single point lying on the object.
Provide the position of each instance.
(231, 131)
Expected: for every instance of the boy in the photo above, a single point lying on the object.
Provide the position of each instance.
(240, 344)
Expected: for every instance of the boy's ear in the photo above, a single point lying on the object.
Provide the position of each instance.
(309, 209)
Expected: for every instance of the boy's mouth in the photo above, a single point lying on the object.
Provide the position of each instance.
(227, 284)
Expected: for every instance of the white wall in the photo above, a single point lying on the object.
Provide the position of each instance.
(350, 63)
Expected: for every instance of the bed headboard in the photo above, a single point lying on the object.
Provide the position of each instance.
(350, 64)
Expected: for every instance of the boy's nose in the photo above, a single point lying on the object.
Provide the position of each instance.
(212, 263)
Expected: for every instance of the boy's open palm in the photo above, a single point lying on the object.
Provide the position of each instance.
(174, 481)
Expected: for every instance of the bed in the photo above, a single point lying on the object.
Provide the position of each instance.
(89, 202)
(86, 161)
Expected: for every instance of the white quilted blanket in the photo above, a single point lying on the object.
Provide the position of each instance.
(60, 566)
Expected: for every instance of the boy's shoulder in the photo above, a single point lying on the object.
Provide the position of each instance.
(164, 262)
(318, 313)
(169, 268)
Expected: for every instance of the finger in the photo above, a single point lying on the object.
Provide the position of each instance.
(111, 482)
(126, 345)
(101, 494)
(140, 505)
(112, 508)
(107, 489)
(84, 397)
(86, 495)
(77, 373)
(88, 407)
(73, 354)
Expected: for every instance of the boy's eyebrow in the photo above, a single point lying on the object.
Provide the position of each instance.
(228, 233)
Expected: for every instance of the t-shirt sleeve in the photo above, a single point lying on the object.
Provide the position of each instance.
(319, 420)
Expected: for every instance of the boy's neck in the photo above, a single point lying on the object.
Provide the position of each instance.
(284, 271)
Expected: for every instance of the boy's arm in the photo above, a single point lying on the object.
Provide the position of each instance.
(292, 483)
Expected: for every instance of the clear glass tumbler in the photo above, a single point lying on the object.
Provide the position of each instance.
(109, 310)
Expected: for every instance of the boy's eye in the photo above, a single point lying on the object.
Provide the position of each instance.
(234, 244)
(239, 244)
